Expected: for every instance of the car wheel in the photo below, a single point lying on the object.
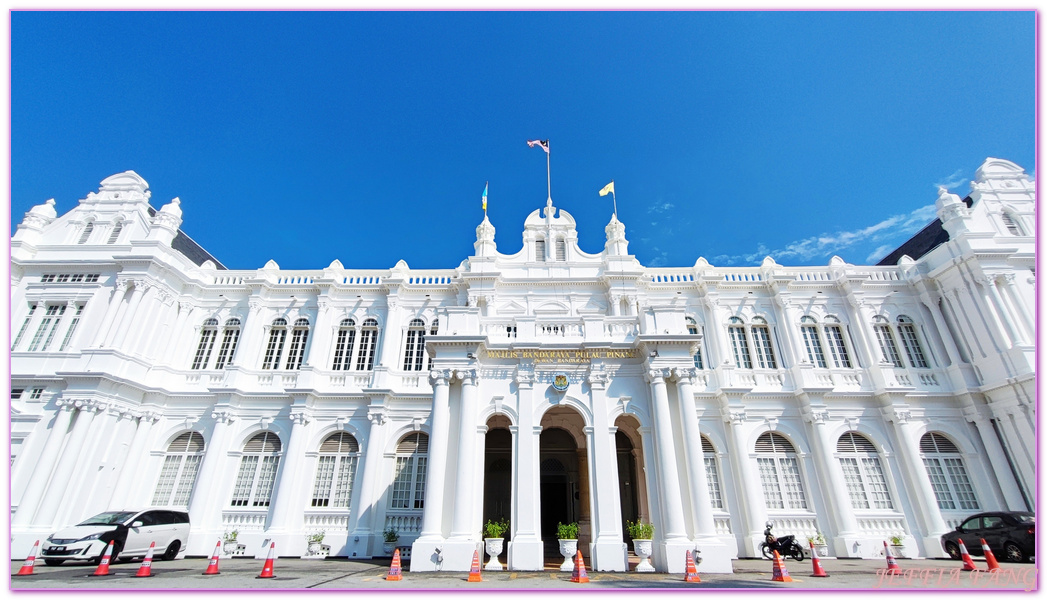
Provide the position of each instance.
(1013, 553)
(953, 550)
(53, 562)
(172, 551)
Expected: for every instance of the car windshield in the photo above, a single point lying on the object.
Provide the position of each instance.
(108, 518)
(1025, 518)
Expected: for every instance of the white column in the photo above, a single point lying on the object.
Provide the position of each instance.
(178, 334)
(837, 499)
(42, 468)
(526, 551)
(248, 351)
(110, 313)
(673, 557)
(55, 494)
(165, 333)
(125, 324)
(605, 511)
(464, 476)
(205, 506)
(440, 417)
(997, 308)
(287, 517)
(785, 326)
(1001, 467)
(1020, 308)
(943, 329)
(146, 324)
(754, 512)
(924, 501)
(365, 527)
(317, 354)
(721, 350)
(129, 476)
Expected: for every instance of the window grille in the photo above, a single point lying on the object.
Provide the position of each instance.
(179, 471)
(411, 466)
(343, 347)
(230, 337)
(335, 471)
(779, 472)
(208, 333)
(257, 475)
(368, 342)
(115, 235)
(16, 393)
(277, 336)
(1010, 224)
(692, 329)
(86, 233)
(762, 341)
(863, 473)
(947, 473)
(36, 393)
(435, 328)
(907, 330)
(296, 351)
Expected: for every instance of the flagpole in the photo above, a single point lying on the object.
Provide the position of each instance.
(615, 200)
(548, 177)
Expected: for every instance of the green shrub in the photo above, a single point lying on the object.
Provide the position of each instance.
(495, 529)
(391, 535)
(640, 530)
(567, 532)
(316, 538)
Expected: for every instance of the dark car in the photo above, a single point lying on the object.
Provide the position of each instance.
(1010, 535)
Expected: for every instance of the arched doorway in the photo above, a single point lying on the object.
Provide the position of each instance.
(632, 484)
(498, 470)
(564, 480)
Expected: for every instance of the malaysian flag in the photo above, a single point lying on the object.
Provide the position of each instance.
(544, 144)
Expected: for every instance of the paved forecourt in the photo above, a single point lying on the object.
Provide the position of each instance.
(337, 574)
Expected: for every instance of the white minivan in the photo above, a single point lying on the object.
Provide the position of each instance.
(130, 531)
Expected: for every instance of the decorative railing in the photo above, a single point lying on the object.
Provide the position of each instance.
(671, 277)
(328, 522)
(800, 525)
(722, 524)
(559, 330)
(430, 278)
(362, 280)
(229, 280)
(244, 521)
(404, 522)
(882, 526)
(294, 280)
(620, 329)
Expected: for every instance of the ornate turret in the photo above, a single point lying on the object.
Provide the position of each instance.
(31, 229)
(166, 222)
(952, 211)
(616, 244)
(485, 245)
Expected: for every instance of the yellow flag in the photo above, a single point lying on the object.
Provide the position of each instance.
(607, 189)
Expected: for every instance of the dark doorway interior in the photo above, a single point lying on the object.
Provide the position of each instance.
(559, 484)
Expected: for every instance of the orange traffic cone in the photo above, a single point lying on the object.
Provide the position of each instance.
(692, 571)
(103, 567)
(267, 568)
(968, 564)
(212, 566)
(579, 575)
(474, 570)
(27, 566)
(818, 570)
(990, 560)
(892, 565)
(780, 573)
(146, 570)
(395, 573)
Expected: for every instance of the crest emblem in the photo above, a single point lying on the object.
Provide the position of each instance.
(560, 382)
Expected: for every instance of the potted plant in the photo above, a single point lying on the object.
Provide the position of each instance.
(898, 546)
(315, 541)
(494, 542)
(642, 533)
(231, 545)
(567, 535)
(390, 536)
(821, 549)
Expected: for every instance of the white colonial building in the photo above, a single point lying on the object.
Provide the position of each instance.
(550, 385)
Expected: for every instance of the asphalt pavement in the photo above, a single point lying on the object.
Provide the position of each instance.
(370, 575)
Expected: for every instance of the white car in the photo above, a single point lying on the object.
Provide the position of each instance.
(130, 531)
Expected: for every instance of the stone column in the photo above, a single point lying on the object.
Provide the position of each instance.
(205, 506)
(998, 459)
(178, 335)
(605, 549)
(110, 313)
(42, 468)
(319, 341)
(786, 325)
(287, 516)
(440, 417)
(526, 551)
(1006, 281)
(129, 475)
(943, 329)
(55, 494)
(837, 498)
(997, 308)
(465, 475)
(363, 526)
(146, 318)
(125, 324)
(750, 495)
(674, 534)
(249, 350)
(924, 502)
(715, 325)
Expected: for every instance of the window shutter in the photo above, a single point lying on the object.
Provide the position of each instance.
(416, 443)
(340, 443)
(264, 442)
(936, 442)
(771, 442)
(854, 442)
(707, 446)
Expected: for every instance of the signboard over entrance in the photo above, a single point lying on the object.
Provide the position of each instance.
(565, 356)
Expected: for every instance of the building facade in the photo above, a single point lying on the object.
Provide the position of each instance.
(550, 385)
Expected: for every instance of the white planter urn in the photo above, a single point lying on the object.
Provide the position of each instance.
(231, 547)
(315, 548)
(388, 547)
(898, 551)
(568, 548)
(643, 549)
(821, 550)
(494, 548)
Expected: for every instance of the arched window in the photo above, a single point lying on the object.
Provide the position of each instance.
(230, 337)
(762, 343)
(539, 250)
(435, 329)
(115, 234)
(178, 475)
(740, 343)
(275, 347)
(299, 337)
(779, 472)
(712, 475)
(907, 331)
(561, 250)
(692, 329)
(412, 455)
(343, 346)
(336, 471)
(837, 345)
(208, 333)
(368, 342)
(863, 473)
(809, 329)
(254, 482)
(86, 234)
(414, 346)
(945, 468)
(1011, 223)
(885, 337)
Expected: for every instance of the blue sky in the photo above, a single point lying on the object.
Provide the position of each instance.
(367, 137)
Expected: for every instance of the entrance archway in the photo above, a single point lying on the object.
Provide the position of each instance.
(498, 470)
(564, 480)
(631, 478)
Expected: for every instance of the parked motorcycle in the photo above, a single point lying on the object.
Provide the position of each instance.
(785, 545)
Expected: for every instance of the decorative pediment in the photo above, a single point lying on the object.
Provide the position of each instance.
(553, 308)
(512, 308)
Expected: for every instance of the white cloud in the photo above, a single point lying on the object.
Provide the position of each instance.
(952, 181)
(879, 253)
(888, 233)
(660, 208)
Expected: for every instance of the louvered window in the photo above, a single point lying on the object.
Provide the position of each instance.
(299, 338)
(712, 475)
(25, 326)
(561, 250)
(907, 330)
(739, 343)
(812, 342)
(414, 346)
(368, 343)
(335, 471)
(115, 234)
(411, 465)
(273, 350)
(90, 227)
(1010, 224)
(779, 473)
(863, 473)
(257, 474)
(179, 471)
(230, 337)
(888, 349)
(539, 250)
(952, 487)
(208, 333)
(343, 346)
